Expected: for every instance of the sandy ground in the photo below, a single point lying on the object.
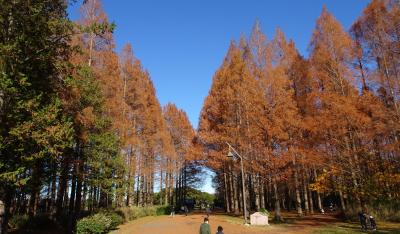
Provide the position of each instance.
(190, 224)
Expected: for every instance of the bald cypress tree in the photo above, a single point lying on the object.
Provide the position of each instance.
(229, 115)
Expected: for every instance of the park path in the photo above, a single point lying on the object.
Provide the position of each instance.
(190, 224)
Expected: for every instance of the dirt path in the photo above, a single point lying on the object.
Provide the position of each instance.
(190, 224)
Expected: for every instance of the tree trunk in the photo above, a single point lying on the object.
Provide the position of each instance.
(319, 203)
(342, 200)
(9, 193)
(278, 215)
(62, 187)
(141, 191)
(257, 192)
(310, 199)
(52, 208)
(226, 195)
(234, 187)
(171, 186)
(35, 184)
(78, 200)
(72, 194)
(262, 193)
(269, 194)
(84, 196)
(305, 195)
(297, 191)
(161, 186)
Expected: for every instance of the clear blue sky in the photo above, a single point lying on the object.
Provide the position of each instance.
(182, 43)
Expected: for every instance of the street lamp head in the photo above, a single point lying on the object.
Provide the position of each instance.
(230, 154)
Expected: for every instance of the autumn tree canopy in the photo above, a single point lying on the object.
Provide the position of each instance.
(309, 128)
(82, 129)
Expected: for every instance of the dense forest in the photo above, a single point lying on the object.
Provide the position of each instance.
(313, 130)
(81, 128)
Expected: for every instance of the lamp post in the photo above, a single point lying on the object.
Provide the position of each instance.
(231, 155)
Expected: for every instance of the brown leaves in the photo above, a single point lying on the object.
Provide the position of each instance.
(279, 109)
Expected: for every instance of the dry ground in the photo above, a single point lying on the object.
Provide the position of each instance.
(232, 225)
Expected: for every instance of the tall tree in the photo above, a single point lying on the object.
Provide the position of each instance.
(182, 136)
(34, 130)
(228, 115)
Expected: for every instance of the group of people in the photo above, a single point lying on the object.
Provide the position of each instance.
(332, 208)
(183, 209)
(205, 228)
(366, 221)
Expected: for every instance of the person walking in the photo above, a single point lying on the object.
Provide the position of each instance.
(363, 220)
(172, 212)
(205, 227)
(186, 210)
(208, 210)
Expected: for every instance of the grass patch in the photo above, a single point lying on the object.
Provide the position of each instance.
(132, 213)
(232, 219)
(239, 221)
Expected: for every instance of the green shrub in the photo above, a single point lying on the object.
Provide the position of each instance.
(124, 212)
(38, 222)
(264, 211)
(137, 212)
(95, 224)
(116, 220)
(385, 210)
(19, 221)
(163, 210)
(150, 211)
(131, 213)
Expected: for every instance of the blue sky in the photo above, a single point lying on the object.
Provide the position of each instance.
(183, 42)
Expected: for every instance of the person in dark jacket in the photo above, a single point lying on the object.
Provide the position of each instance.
(186, 210)
(219, 230)
(363, 220)
(205, 227)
